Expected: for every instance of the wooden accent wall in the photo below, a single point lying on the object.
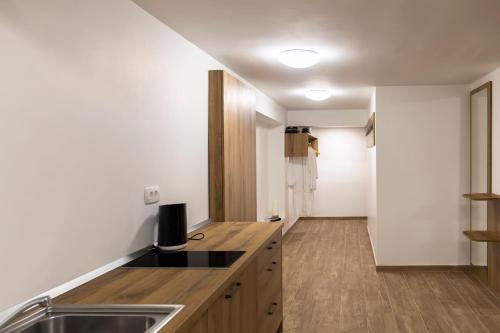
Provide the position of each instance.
(231, 140)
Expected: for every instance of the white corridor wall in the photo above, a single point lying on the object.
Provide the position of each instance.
(99, 100)
(422, 171)
(270, 166)
(341, 187)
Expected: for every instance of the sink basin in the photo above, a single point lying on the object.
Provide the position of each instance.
(96, 319)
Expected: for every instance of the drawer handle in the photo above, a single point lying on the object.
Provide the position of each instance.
(274, 263)
(230, 294)
(269, 269)
(273, 308)
(270, 247)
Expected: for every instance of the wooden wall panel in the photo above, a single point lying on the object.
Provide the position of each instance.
(216, 145)
(232, 156)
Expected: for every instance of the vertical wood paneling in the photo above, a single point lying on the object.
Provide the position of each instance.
(233, 195)
(216, 145)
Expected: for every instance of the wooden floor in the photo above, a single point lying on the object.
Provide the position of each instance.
(330, 285)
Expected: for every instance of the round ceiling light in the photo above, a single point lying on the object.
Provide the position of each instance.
(299, 58)
(318, 94)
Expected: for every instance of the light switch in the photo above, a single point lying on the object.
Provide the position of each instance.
(151, 195)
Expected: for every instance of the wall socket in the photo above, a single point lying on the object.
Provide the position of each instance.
(151, 195)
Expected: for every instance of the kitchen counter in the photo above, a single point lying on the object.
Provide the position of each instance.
(196, 289)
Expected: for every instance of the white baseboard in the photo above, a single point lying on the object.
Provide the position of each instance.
(290, 225)
(371, 243)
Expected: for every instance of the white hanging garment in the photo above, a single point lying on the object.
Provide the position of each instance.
(302, 173)
(295, 181)
(310, 174)
(313, 168)
(290, 182)
(290, 172)
(306, 187)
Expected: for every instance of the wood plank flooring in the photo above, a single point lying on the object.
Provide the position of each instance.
(330, 285)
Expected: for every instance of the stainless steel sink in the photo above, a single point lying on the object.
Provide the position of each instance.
(55, 318)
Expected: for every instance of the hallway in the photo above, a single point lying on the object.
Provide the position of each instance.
(330, 285)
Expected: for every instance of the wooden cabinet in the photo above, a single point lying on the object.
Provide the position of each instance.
(221, 316)
(202, 291)
(232, 152)
(253, 301)
(235, 311)
(248, 300)
(269, 285)
(201, 326)
(297, 144)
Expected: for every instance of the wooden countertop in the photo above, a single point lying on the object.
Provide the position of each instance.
(196, 289)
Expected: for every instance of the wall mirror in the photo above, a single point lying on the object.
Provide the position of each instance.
(480, 168)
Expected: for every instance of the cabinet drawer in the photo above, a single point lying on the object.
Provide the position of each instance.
(269, 284)
(270, 276)
(266, 256)
(235, 311)
(270, 316)
(201, 326)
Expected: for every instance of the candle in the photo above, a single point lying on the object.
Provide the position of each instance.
(275, 211)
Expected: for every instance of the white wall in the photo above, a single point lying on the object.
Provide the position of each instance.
(478, 213)
(422, 172)
(342, 164)
(276, 170)
(269, 109)
(371, 183)
(328, 118)
(262, 172)
(342, 183)
(495, 78)
(270, 167)
(99, 99)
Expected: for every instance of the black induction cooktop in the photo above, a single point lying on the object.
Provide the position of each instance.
(156, 258)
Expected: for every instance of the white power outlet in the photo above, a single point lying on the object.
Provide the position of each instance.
(151, 195)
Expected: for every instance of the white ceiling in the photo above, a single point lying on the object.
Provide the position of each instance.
(363, 43)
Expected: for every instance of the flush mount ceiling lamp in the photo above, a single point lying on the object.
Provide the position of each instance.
(318, 94)
(299, 58)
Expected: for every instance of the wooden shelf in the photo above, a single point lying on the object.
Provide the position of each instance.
(482, 196)
(483, 236)
(297, 144)
(311, 138)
